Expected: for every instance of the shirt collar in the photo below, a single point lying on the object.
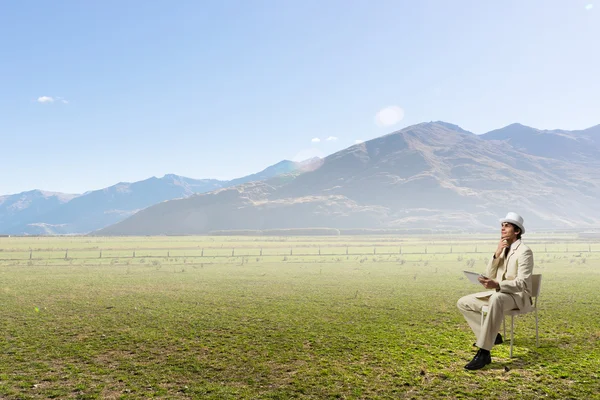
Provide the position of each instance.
(515, 244)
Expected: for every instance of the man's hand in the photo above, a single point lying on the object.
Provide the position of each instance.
(488, 283)
(501, 246)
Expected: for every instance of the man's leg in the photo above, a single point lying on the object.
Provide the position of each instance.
(470, 306)
(498, 303)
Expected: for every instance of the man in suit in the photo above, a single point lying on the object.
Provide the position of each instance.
(509, 275)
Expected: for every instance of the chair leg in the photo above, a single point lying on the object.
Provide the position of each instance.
(512, 333)
(537, 344)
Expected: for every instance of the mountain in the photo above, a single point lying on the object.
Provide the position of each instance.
(99, 208)
(282, 167)
(567, 145)
(28, 205)
(430, 175)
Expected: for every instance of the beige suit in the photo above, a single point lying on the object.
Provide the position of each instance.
(513, 272)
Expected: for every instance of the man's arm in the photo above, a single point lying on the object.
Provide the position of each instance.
(496, 260)
(521, 282)
(492, 267)
(489, 282)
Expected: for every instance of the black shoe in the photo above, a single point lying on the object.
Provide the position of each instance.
(497, 341)
(481, 359)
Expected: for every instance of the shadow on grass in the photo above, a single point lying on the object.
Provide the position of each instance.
(525, 354)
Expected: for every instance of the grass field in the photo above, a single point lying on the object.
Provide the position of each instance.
(185, 318)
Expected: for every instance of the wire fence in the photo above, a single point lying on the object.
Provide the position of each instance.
(73, 254)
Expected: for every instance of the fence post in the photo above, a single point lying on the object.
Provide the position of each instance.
(232, 252)
(291, 251)
(100, 253)
(261, 252)
(168, 254)
(202, 253)
(134, 254)
(66, 253)
(30, 254)
(319, 250)
(346, 250)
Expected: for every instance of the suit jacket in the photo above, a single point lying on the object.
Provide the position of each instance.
(513, 272)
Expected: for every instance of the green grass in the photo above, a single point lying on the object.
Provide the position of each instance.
(354, 327)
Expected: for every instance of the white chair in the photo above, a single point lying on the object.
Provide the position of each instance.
(536, 282)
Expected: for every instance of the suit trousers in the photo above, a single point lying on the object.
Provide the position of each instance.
(470, 306)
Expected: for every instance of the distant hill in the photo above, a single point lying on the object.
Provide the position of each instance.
(36, 213)
(561, 144)
(430, 175)
(27, 206)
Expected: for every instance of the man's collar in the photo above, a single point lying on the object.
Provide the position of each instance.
(515, 245)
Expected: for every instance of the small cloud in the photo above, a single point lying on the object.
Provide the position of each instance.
(49, 99)
(389, 116)
(332, 139)
(589, 6)
(45, 99)
(358, 141)
(315, 140)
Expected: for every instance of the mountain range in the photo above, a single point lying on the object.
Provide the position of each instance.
(37, 212)
(431, 175)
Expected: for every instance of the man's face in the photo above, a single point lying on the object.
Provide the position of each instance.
(507, 231)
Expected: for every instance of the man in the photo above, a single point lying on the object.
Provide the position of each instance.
(509, 274)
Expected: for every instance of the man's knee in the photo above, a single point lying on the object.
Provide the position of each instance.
(462, 303)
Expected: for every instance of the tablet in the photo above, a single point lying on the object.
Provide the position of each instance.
(473, 276)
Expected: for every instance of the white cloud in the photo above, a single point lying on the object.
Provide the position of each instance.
(389, 116)
(316, 140)
(358, 141)
(589, 6)
(332, 139)
(50, 99)
(45, 99)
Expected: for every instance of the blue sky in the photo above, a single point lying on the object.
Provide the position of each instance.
(97, 92)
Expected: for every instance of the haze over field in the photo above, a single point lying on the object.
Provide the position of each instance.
(264, 323)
